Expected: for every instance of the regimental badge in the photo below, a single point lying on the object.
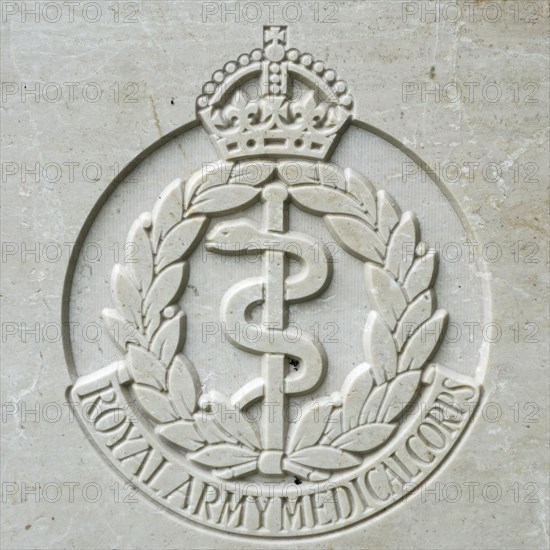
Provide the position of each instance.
(287, 453)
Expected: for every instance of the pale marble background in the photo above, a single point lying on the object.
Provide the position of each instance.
(168, 52)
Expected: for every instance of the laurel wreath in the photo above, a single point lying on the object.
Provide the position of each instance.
(335, 431)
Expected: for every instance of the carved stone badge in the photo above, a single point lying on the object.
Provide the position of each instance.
(287, 453)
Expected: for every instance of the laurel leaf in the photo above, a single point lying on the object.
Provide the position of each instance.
(359, 186)
(330, 174)
(421, 275)
(167, 211)
(388, 215)
(223, 455)
(379, 346)
(310, 427)
(404, 239)
(419, 311)
(145, 367)
(224, 199)
(319, 199)
(120, 330)
(370, 409)
(180, 241)
(183, 386)
(212, 175)
(230, 418)
(356, 238)
(365, 438)
(251, 173)
(126, 296)
(182, 433)
(170, 338)
(155, 403)
(296, 172)
(209, 428)
(141, 261)
(398, 395)
(324, 458)
(333, 428)
(355, 390)
(421, 345)
(384, 294)
(167, 286)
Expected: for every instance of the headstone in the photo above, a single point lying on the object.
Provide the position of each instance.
(273, 320)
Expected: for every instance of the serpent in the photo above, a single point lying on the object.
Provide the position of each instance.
(244, 236)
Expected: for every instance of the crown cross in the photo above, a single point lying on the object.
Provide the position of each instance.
(274, 35)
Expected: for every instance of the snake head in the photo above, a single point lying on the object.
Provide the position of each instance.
(231, 236)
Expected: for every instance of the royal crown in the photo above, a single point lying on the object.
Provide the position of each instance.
(275, 102)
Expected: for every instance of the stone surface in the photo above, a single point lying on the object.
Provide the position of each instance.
(404, 65)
